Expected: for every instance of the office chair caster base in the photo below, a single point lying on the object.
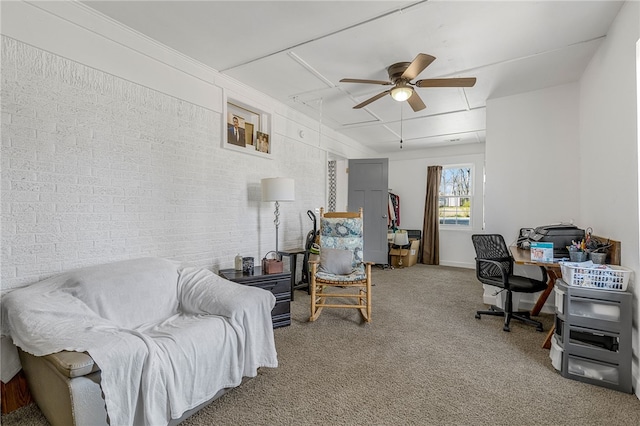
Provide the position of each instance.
(493, 310)
(524, 317)
(506, 328)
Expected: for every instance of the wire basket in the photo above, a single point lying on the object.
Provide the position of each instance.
(604, 277)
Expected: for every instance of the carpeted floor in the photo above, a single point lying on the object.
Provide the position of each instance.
(424, 360)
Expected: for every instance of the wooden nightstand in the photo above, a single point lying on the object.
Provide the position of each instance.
(278, 284)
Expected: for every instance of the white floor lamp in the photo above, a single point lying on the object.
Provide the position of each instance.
(277, 189)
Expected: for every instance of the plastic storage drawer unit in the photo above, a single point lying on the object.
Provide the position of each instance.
(592, 342)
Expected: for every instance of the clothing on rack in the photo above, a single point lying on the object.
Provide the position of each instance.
(394, 211)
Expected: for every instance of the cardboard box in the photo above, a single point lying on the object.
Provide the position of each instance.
(402, 258)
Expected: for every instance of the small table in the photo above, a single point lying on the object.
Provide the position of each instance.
(278, 284)
(523, 257)
(292, 254)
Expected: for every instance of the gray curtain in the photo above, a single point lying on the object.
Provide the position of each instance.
(430, 243)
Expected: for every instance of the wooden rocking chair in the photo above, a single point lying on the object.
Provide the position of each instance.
(341, 265)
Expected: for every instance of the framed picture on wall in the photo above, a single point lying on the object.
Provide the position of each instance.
(262, 143)
(248, 135)
(243, 123)
(235, 130)
(239, 120)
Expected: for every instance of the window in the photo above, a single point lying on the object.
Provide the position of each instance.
(456, 193)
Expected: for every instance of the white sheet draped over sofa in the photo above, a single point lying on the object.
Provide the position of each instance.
(162, 349)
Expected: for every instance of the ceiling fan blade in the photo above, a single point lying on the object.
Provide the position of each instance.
(358, 80)
(418, 65)
(447, 82)
(374, 98)
(416, 102)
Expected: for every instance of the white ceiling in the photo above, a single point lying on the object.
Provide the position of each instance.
(297, 51)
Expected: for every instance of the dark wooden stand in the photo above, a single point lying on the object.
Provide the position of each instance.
(293, 254)
(278, 284)
(15, 394)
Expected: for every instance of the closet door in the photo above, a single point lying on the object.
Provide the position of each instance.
(368, 188)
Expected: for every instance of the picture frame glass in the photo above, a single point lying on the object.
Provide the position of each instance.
(249, 134)
(241, 125)
(262, 143)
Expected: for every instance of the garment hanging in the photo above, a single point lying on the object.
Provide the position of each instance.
(394, 211)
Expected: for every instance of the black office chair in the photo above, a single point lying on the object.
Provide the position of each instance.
(494, 266)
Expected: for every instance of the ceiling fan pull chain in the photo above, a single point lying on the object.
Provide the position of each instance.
(400, 126)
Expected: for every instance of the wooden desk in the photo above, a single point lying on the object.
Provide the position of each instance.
(523, 257)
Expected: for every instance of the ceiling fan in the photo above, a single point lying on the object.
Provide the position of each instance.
(401, 74)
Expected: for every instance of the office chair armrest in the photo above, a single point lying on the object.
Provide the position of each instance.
(500, 259)
(504, 282)
(545, 276)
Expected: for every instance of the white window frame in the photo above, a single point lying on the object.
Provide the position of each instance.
(470, 196)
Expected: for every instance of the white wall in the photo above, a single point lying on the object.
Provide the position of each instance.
(111, 149)
(609, 147)
(532, 167)
(532, 160)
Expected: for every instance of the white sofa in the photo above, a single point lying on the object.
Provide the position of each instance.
(140, 341)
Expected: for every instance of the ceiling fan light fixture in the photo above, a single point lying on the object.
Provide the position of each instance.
(401, 93)
(400, 76)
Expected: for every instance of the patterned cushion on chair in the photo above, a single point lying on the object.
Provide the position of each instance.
(342, 227)
(358, 274)
(343, 233)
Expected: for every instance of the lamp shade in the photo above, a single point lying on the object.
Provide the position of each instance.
(401, 238)
(277, 189)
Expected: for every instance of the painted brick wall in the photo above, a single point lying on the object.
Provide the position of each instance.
(96, 168)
